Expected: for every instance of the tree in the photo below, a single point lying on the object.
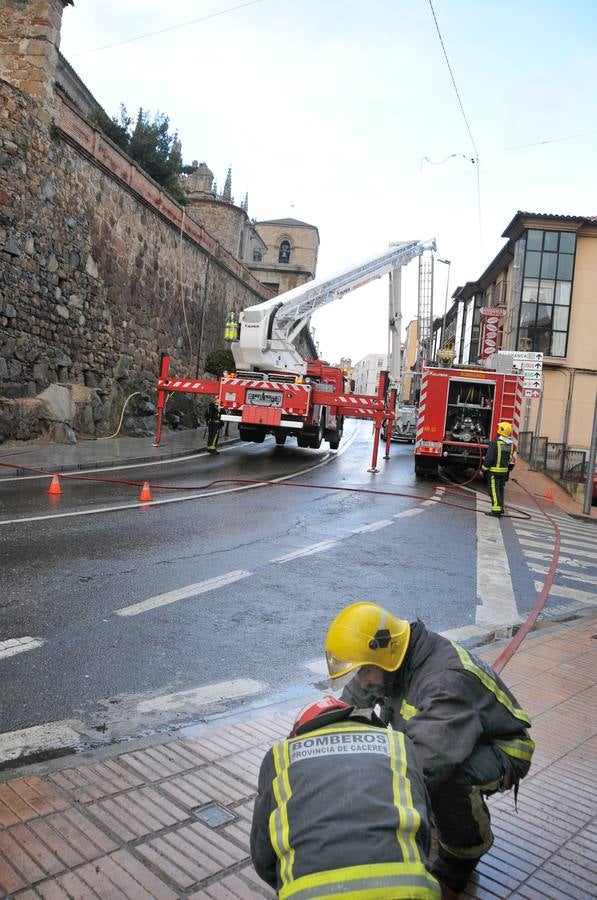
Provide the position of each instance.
(149, 143)
(219, 361)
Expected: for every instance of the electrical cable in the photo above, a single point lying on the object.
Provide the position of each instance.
(140, 37)
(466, 122)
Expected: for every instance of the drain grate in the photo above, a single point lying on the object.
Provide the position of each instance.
(214, 815)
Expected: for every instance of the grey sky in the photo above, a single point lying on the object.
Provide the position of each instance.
(326, 109)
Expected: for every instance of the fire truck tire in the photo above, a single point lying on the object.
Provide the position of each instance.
(423, 469)
(334, 444)
(280, 439)
(251, 433)
(304, 440)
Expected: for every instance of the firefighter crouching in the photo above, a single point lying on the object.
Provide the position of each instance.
(498, 462)
(342, 810)
(468, 730)
(213, 421)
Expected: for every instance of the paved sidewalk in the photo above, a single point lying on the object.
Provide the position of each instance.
(172, 819)
(103, 452)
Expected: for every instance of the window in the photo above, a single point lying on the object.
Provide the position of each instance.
(284, 252)
(541, 298)
(257, 256)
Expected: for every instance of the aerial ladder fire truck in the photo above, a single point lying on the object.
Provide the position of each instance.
(274, 389)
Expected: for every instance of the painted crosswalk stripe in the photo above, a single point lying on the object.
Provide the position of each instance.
(305, 551)
(191, 590)
(583, 579)
(537, 534)
(39, 739)
(190, 701)
(558, 590)
(19, 645)
(565, 545)
(563, 560)
(373, 526)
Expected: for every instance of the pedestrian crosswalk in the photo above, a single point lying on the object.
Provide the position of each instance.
(574, 587)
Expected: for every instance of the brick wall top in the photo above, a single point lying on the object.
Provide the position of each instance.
(93, 143)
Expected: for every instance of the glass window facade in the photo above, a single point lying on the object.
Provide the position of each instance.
(541, 289)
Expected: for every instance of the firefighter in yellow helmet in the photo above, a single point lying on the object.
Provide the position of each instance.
(498, 462)
(342, 810)
(468, 730)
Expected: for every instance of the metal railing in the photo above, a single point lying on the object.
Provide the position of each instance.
(554, 458)
(538, 453)
(525, 440)
(574, 466)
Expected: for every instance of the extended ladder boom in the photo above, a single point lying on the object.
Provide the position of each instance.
(269, 329)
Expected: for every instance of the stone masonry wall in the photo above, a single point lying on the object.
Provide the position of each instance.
(92, 259)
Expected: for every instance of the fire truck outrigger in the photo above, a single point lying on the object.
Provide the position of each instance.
(274, 389)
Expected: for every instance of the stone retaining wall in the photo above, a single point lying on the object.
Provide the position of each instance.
(99, 270)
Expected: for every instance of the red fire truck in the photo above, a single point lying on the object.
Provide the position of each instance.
(275, 390)
(459, 410)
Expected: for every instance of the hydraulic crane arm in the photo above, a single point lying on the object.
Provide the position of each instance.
(269, 329)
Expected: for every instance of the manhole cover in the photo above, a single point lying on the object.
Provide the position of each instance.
(214, 815)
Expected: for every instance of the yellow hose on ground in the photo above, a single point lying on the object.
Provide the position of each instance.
(107, 437)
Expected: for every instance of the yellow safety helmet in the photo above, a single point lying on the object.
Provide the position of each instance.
(365, 634)
(505, 429)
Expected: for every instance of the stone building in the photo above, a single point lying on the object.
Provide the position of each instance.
(100, 270)
(290, 257)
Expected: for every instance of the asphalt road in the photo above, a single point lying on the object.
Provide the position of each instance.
(160, 615)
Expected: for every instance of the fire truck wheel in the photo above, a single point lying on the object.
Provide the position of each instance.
(280, 439)
(303, 440)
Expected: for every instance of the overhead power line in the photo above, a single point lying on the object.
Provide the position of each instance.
(466, 122)
(140, 37)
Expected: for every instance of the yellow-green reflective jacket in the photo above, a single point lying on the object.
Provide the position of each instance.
(342, 811)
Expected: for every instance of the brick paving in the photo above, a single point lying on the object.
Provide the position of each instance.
(126, 825)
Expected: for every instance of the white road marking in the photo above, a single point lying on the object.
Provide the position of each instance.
(584, 579)
(19, 645)
(405, 514)
(197, 698)
(565, 545)
(191, 590)
(563, 560)
(494, 581)
(557, 590)
(146, 506)
(564, 537)
(374, 526)
(39, 739)
(305, 551)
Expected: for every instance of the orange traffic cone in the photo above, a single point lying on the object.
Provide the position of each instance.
(549, 494)
(145, 494)
(55, 485)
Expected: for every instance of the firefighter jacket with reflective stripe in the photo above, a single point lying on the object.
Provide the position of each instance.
(499, 456)
(448, 701)
(212, 413)
(342, 811)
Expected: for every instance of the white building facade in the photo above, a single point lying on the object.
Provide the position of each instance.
(366, 372)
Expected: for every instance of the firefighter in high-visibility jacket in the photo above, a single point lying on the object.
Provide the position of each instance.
(213, 420)
(342, 810)
(468, 730)
(498, 462)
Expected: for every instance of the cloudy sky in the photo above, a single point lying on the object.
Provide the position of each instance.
(342, 113)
